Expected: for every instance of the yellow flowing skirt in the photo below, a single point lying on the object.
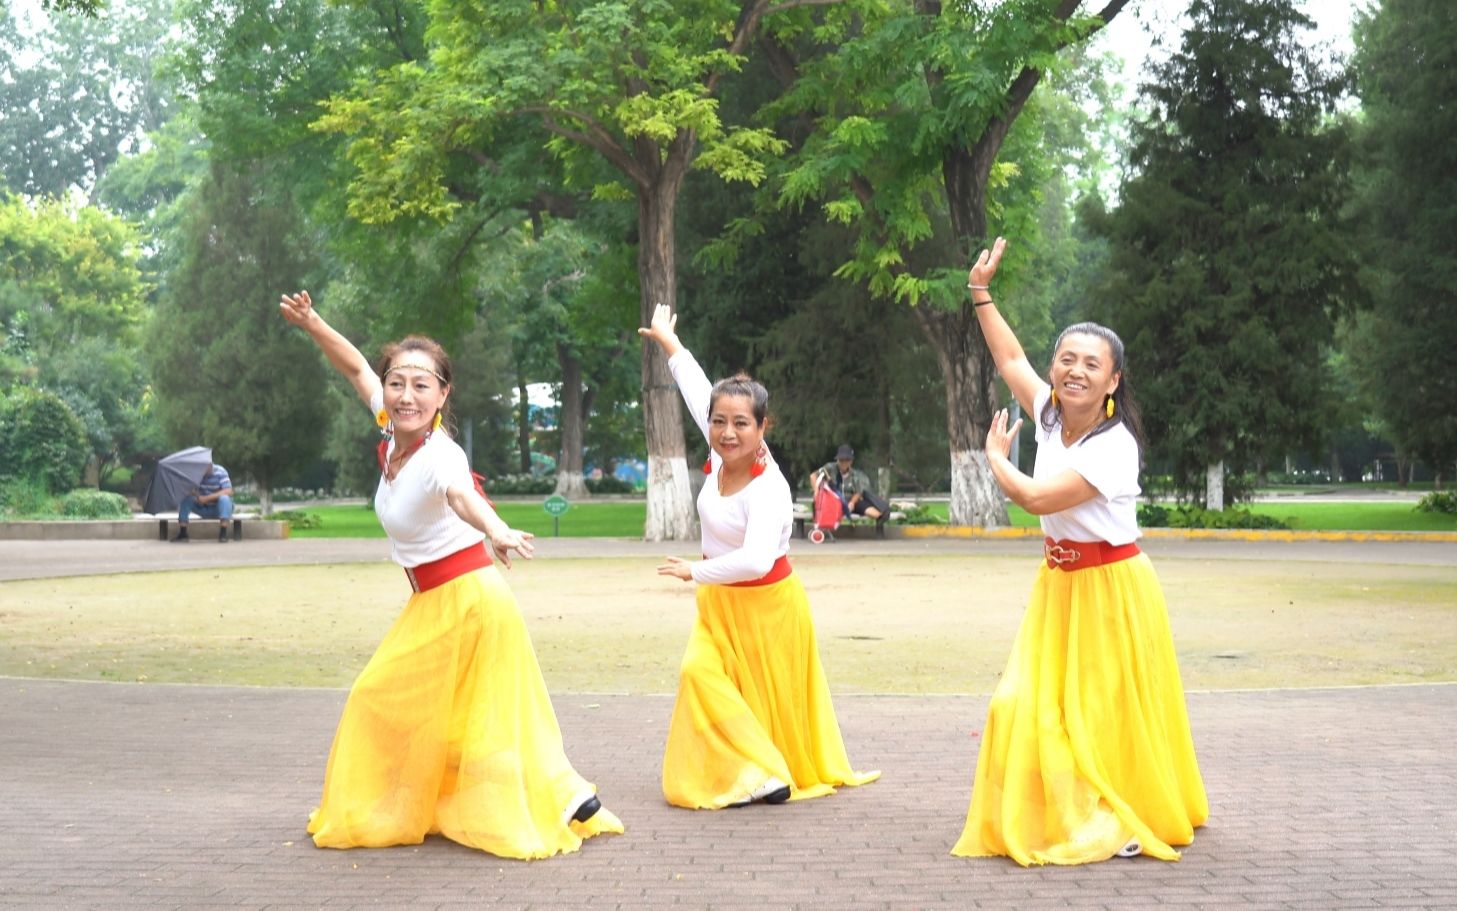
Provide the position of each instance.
(449, 729)
(753, 702)
(1087, 741)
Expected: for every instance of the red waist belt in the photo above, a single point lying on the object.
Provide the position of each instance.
(1071, 555)
(780, 570)
(438, 572)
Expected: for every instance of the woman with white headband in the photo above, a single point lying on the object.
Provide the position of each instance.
(449, 727)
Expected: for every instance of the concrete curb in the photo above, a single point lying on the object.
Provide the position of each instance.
(1188, 534)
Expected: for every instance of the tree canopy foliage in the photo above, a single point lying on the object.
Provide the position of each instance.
(1406, 77)
(1229, 258)
(228, 371)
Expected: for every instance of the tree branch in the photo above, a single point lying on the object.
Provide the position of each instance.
(748, 25)
(595, 137)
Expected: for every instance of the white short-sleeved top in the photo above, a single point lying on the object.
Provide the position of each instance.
(1109, 462)
(743, 534)
(420, 523)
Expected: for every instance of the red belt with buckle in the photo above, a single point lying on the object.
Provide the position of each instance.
(1071, 555)
(780, 570)
(438, 572)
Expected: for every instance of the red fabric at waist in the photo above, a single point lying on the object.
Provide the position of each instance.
(438, 572)
(1072, 555)
(780, 570)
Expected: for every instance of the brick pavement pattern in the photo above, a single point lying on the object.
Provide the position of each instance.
(148, 796)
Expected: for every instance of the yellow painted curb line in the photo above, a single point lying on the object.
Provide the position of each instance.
(1214, 534)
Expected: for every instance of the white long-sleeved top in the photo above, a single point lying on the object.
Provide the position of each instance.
(743, 534)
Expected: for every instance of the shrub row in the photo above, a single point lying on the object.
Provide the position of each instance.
(1443, 501)
(1152, 515)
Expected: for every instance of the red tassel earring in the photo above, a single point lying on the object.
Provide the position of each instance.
(761, 461)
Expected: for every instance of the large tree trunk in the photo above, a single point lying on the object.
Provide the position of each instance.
(523, 423)
(670, 514)
(1214, 487)
(572, 420)
(969, 372)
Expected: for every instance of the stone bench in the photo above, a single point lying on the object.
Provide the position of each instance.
(167, 527)
(804, 516)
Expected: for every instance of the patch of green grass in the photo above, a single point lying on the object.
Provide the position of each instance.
(1356, 516)
(608, 519)
(1019, 517)
(625, 518)
(1304, 516)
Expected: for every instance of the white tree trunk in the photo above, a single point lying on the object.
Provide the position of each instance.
(668, 492)
(572, 485)
(265, 499)
(975, 497)
(1214, 487)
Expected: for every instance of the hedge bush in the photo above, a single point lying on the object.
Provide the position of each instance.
(25, 498)
(1444, 501)
(41, 439)
(90, 503)
(298, 518)
(1152, 515)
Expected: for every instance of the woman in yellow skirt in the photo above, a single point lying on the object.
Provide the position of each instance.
(753, 720)
(1086, 752)
(449, 727)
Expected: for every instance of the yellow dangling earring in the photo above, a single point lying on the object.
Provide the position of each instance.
(1054, 398)
(435, 424)
(1109, 409)
(382, 418)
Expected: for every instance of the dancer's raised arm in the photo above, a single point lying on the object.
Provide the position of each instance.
(693, 383)
(1006, 351)
(299, 310)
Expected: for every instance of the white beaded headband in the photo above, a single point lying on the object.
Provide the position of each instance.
(429, 370)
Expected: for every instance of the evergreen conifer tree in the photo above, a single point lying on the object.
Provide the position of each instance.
(1406, 76)
(1228, 255)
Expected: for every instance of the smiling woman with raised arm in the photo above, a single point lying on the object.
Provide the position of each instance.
(1086, 752)
(449, 727)
(753, 720)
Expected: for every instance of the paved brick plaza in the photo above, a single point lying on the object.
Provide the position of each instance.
(150, 796)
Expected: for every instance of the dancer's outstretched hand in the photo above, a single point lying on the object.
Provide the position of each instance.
(503, 542)
(297, 308)
(999, 438)
(985, 268)
(663, 329)
(676, 567)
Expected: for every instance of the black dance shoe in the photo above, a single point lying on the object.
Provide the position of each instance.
(772, 791)
(582, 808)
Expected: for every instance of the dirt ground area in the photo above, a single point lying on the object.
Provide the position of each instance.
(886, 624)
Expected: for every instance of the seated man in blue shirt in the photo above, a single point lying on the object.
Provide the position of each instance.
(212, 498)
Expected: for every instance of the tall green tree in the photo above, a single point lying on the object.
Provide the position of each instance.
(1228, 253)
(228, 372)
(77, 93)
(922, 142)
(1406, 76)
(626, 95)
(72, 298)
